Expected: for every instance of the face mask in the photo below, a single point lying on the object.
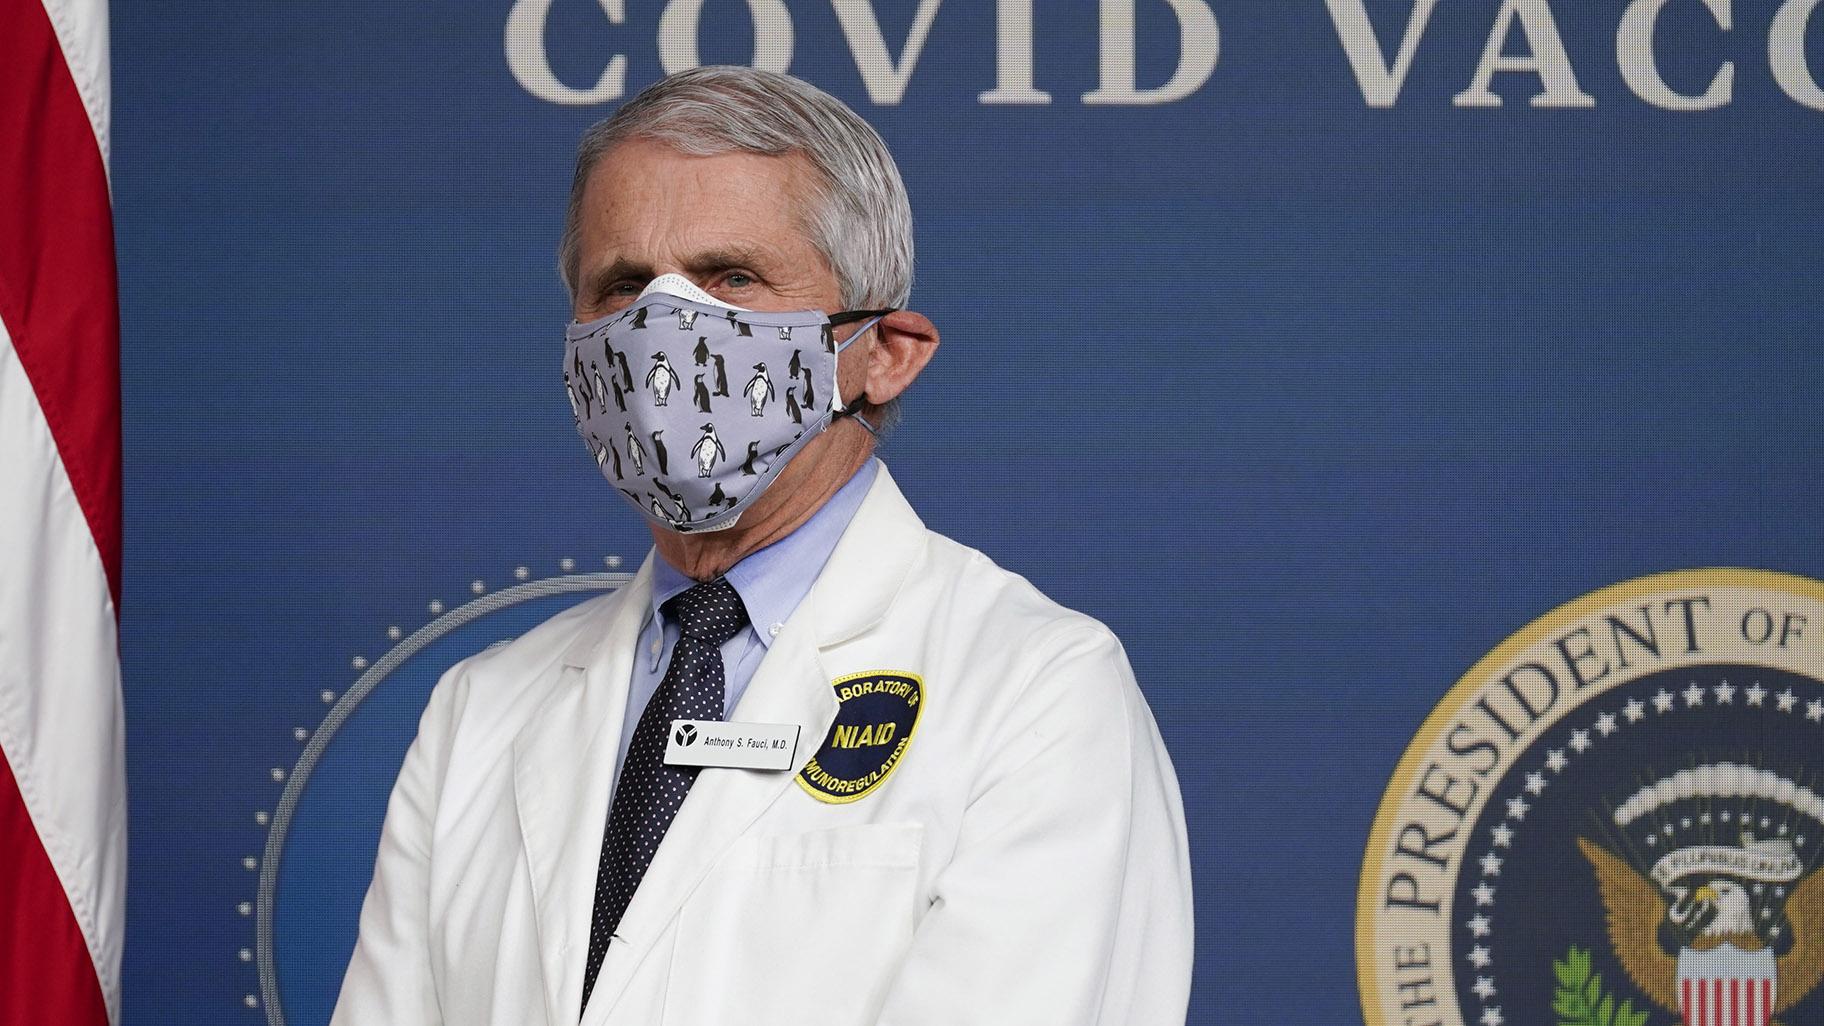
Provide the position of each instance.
(691, 406)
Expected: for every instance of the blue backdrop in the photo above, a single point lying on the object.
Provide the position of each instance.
(1313, 389)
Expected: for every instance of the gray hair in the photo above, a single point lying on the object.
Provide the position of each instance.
(860, 219)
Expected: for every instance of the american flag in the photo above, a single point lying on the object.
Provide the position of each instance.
(62, 787)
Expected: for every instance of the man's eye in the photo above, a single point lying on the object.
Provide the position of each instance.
(738, 280)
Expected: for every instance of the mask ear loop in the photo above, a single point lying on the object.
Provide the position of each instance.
(873, 318)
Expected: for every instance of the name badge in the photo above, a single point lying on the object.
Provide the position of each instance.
(764, 746)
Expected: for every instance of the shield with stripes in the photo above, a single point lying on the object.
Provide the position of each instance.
(1726, 986)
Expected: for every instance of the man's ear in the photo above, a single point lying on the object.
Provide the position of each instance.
(904, 341)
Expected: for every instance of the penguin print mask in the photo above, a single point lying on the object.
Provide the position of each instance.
(691, 406)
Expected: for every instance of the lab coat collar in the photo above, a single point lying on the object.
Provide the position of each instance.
(870, 564)
(632, 600)
(774, 580)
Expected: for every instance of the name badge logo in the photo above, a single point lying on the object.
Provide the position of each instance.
(762, 746)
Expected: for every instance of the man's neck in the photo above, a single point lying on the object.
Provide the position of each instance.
(704, 557)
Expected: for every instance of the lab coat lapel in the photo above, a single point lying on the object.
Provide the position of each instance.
(789, 687)
(864, 574)
(562, 770)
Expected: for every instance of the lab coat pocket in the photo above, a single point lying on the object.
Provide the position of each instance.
(797, 929)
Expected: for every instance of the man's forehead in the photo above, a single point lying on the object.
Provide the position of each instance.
(709, 202)
(645, 171)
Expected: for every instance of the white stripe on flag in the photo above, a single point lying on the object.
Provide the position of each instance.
(60, 709)
(82, 32)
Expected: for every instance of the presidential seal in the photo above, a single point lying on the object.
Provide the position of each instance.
(1616, 818)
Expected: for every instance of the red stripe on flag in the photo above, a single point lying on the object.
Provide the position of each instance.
(1684, 1001)
(57, 281)
(46, 975)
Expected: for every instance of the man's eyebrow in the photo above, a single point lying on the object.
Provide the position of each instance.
(707, 262)
(621, 268)
(713, 260)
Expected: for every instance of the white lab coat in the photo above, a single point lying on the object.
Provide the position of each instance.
(1025, 863)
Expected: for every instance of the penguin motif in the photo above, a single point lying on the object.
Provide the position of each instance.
(585, 397)
(636, 453)
(758, 390)
(661, 512)
(639, 319)
(829, 339)
(686, 318)
(576, 411)
(707, 451)
(796, 365)
(785, 333)
(702, 351)
(620, 397)
(701, 395)
(721, 498)
(810, 392)
(601, 452)
(791, 406)
(682, 512)
(661, 379)
(753, 453)
(721, 376)
(740, 329)
(616, 455)
(601, 391)
(658, 451)
(626, 377)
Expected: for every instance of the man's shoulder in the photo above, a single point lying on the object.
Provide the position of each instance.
(1009, 659)
(998, 602)
(928, 585)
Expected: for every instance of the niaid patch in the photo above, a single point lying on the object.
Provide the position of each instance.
(877, 715)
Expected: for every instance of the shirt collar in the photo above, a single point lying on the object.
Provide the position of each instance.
(773, 580)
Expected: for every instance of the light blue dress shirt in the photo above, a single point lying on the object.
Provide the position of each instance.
(771, 583)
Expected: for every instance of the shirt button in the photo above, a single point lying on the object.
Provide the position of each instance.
(773, 631)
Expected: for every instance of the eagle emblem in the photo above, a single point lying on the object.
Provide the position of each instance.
(1613, 819)
(1712, 913)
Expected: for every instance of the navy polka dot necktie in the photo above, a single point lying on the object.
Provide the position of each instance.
(649, 792)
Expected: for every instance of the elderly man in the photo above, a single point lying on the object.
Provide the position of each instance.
(815, 764)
